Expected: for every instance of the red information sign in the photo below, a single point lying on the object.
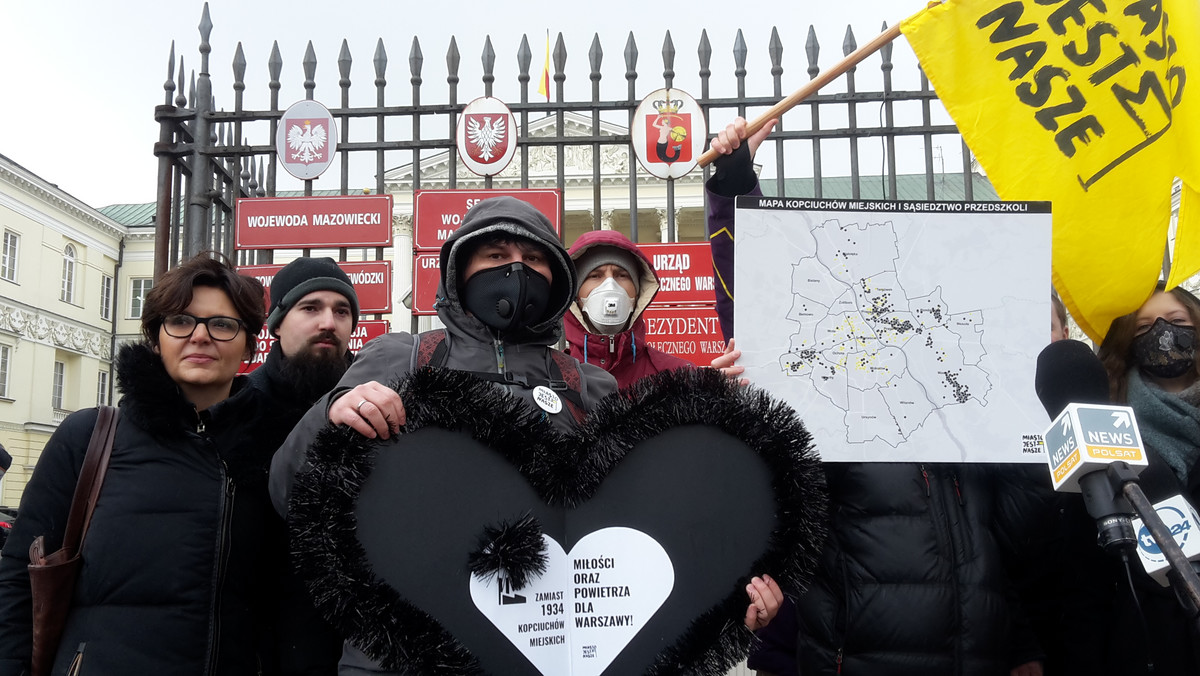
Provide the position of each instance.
(306, 222)
(427, 272)
(685, 272)
(437, 213)
(692, 333)
(366, 330)
(372, 282)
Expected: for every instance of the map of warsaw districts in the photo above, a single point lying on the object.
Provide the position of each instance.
(885, 358)
(899, 331)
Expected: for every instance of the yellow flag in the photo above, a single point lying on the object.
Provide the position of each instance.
(1092, 104)
(544, 80)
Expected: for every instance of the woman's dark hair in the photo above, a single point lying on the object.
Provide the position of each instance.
(1116, 350)
(1058, 307)
(172, 293)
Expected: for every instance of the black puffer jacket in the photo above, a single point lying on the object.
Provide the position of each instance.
(183, 550)
(911, 579)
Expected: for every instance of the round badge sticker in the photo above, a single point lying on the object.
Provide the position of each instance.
(668, 133)
(547, 399)
(486, 136)
(306, 139)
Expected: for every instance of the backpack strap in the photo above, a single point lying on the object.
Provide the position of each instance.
(568, 374)
(431, 350)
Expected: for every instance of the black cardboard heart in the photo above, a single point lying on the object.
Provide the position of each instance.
(723, 478)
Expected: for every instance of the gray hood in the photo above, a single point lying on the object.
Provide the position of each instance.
(517, 218)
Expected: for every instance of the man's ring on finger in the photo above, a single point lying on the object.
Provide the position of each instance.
(358, 409)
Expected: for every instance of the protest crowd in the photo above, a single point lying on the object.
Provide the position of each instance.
(928, 567)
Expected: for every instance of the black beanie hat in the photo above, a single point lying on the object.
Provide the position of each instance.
(5, 459)
(300, 278)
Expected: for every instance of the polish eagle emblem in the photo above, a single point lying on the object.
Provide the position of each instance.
(487, 135)
(306, 143)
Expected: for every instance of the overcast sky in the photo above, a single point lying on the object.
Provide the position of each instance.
(79, 79)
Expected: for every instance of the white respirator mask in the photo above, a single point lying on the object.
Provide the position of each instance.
(608, 307)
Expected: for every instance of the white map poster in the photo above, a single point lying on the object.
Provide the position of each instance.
(899, 331)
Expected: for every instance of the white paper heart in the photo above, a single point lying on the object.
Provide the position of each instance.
(578, 616)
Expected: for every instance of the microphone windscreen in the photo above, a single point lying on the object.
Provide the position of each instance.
(1068, 372)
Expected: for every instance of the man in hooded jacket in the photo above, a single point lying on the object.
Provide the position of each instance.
(605, 325)
(506, 281)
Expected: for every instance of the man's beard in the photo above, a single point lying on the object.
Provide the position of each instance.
(312, 374)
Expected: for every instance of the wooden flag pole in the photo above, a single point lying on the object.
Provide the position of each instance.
(852, 59)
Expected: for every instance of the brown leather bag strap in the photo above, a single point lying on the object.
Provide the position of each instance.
(91, 478)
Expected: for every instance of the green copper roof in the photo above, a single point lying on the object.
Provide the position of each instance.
(143, 214)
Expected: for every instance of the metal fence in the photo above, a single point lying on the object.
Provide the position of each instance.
(208, 156)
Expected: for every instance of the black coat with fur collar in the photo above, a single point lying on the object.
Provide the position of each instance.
(184, 548)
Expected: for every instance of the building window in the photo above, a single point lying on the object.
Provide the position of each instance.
(60, 381)
(5, 356)
(102, 388)
(68, 275)
(8, 258)
(137, 295)
(106, 295)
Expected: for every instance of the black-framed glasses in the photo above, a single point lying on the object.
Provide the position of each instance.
(219, 328)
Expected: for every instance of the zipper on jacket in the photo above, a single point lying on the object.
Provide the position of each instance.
(958, 489)
(841, 621)
(222, 557)
(75, 669)
(925, 476)
(499, 346)
(943, 524)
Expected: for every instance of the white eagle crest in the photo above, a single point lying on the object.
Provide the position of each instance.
(306, 143)
(486, 136)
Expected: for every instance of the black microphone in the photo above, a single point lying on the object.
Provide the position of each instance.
(1068, 372)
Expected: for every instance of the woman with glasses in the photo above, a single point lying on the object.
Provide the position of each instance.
(183, 547)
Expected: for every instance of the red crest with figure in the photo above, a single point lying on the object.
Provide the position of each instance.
(668, 133)
(668, 137)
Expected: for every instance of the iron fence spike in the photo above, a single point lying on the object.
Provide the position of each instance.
(380, 59)
(344, 62)
(812, 49)
(595, 56)
(453, 58)
(239, 66)
(415, 58)
(524, 56)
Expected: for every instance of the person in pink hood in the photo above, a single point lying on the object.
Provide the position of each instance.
(605, 326)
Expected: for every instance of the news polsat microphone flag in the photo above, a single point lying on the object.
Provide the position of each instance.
(1093, 105)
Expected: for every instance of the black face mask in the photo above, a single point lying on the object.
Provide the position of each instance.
(1166, 350)
(507, 297)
